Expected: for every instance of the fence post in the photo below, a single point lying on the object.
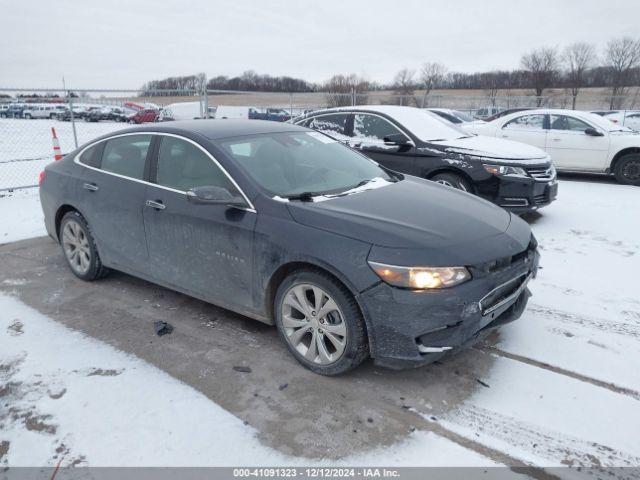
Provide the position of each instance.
(291, 104)
(353, 95)
(205, 97)
(73, 121)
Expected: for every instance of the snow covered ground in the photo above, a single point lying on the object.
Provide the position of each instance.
(564, 388)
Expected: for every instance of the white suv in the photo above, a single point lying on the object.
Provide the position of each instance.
(576, 141)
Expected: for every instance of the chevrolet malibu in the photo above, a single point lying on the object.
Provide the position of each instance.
(283, 224)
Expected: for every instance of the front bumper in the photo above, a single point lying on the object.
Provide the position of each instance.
(413, 328)
(520, 194)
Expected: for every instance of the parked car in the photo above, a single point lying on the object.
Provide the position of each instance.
(576, 141)
(272, 114)
(252, 113)
(454, 116)
(113, 114)
(626, 118)
(285, 225)
(14, 110)
(144, 116)
(3, 110)
(39, 111)
(486, 112)
(417, 142)
(507, 111)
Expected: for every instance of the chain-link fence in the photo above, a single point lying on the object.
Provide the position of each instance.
(78, 116)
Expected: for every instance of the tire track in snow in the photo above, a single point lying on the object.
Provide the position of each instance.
(620, 328)
(490, 350)
(530, 442)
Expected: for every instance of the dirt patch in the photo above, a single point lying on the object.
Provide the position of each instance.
(34, 422)
(4, 449)
(16, 328)
(104, 373)
(57, 395)
(10, 388)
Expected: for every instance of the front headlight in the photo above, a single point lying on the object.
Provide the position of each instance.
(421, 277)
(505, 170)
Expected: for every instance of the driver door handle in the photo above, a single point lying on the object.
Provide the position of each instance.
(156, 205)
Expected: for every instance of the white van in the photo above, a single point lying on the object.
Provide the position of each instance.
(183, 111)
(41, 111)
(224, 111)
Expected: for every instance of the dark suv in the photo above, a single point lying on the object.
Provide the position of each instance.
(513, 175)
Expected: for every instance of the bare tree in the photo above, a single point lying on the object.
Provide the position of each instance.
(404, 86)
(432, 75)
(541, 65)
(622, 57)
(578, 58)
(345, 90)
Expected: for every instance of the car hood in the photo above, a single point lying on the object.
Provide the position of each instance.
(490, 147)
(416, 218)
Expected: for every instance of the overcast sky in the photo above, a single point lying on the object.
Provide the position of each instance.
(122, 44)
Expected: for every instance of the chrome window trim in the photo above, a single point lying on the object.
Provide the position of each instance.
(76, 160)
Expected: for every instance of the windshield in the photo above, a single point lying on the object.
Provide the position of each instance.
(605, 123)
(428, 126)
(463, 116)
(293, 163)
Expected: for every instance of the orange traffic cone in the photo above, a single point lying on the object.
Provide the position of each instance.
(57, 153)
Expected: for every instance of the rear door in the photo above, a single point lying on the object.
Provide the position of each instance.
(526, 128)
(572, 149)
(112, 193)
(202, 249)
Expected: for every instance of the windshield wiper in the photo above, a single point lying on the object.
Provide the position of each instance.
(304, 196)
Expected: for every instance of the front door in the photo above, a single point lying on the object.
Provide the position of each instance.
(572, 149)
(201, 249)
(368, 136)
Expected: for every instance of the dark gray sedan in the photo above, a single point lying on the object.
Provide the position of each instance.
(287, 226)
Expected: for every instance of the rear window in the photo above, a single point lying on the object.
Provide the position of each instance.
(92, 156)
(126, 155)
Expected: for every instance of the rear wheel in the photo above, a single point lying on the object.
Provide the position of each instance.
(320, 322)
(627, 169)
(79, 248)
(453, 180)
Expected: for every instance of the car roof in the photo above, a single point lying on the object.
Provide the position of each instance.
(214, 129)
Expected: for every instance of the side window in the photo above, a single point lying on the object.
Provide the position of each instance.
(92, 156)
(526, 122)
(126, 155)
(183, 166)
(563, 122)
(372, 127)
(335, 123)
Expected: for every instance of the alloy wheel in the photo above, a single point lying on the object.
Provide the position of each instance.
(313, 324)
(76, 247)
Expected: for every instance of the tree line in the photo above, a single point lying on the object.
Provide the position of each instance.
(576, 66)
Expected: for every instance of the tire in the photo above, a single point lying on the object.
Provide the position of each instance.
(453, 180)
(75, 235)
(627, 169)
(27, 116)
(315, 340)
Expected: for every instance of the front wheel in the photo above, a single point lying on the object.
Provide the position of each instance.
(453, 180)
(627, 169)
(79, 248)
(320, 322)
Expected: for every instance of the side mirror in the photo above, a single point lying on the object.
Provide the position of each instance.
(593, 132)
(397, 139)
(214, 196)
